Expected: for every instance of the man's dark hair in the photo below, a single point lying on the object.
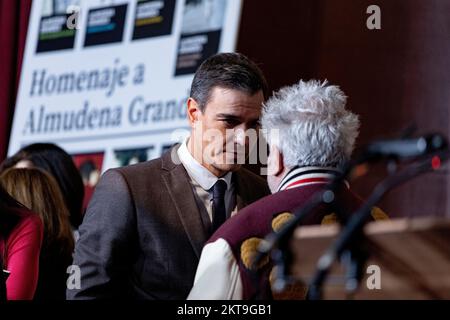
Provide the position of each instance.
(229, 71)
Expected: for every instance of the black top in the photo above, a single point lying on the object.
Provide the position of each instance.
(53, 264)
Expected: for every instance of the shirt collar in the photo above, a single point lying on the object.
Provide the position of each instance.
(197, 172)
(301, 176)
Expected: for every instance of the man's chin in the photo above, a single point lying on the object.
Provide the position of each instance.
(228, 167)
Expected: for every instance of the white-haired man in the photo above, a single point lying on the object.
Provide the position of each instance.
(315, 135)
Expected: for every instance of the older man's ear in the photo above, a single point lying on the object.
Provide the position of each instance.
(275, 164)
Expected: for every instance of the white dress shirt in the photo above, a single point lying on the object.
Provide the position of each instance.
(202, 181)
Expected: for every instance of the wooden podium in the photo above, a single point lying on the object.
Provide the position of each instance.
(413, 256)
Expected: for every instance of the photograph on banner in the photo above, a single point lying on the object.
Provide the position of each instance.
(201, 30)
(90, 167)
(125, 157)
(153, 18)
(54, 31)
(105, 25)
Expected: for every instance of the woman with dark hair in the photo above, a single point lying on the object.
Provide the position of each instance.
(59, 164)
(39, 192)
(20, 245)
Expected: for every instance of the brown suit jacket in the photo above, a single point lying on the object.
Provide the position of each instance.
(143, 234)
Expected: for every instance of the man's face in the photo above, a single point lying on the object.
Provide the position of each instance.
(220, 138)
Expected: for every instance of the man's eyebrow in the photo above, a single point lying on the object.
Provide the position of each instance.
(228, 116)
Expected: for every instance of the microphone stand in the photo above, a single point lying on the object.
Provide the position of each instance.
(348, 244)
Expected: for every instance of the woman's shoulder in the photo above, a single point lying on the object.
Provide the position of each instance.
(29, 224)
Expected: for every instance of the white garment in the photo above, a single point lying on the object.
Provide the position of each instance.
(217, 276)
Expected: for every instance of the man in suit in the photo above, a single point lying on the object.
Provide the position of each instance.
(146, 224)
(316, 136)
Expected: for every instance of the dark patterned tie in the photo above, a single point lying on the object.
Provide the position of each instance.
(219, 213)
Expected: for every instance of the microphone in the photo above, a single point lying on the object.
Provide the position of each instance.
(407, 148)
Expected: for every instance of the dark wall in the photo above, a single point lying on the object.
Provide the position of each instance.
(394, 77)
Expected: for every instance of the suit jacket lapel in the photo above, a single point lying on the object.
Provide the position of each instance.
(179, 188)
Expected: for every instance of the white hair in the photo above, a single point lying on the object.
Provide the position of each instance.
(314, 127)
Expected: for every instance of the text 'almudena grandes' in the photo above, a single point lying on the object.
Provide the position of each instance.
(40, 120)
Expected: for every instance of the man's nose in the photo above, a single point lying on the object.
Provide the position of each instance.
(240, 137)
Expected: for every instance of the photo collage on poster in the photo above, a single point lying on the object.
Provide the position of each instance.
(105, 25)
(201, 27)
